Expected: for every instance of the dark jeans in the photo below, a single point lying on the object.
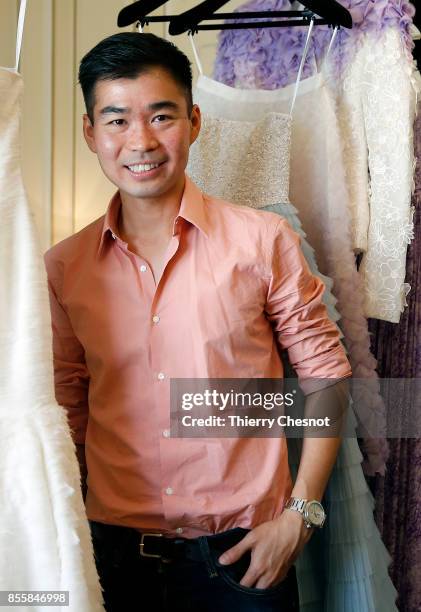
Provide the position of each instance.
(194, 582)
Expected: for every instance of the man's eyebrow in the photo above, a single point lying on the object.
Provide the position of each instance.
(107, 110)
(156, 106)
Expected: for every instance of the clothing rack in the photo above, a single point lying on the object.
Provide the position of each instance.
(189, 21)
(305, 18)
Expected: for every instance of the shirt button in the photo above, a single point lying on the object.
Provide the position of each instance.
(113, 235)
(155, 319)
(161, 376)
(143, 268)
(179, 530)
(169, 491)
(166, 433)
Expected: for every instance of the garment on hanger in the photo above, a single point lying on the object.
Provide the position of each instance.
(44, 534)
(371, 75)
(376, 101)
(242, 154)
(321, 198)
(268, 59)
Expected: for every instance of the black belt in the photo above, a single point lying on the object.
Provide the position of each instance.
(159, 546)
(156, 545)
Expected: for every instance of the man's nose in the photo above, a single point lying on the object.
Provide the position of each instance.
(142, 137)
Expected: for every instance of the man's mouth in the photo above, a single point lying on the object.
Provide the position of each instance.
(141, 168)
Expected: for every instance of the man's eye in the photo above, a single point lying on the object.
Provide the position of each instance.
(115, 122)
(160, 118)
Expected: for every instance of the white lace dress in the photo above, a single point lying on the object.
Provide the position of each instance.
(376, 103)
(45, 541)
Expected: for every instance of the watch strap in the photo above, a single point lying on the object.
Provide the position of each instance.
(295, 503)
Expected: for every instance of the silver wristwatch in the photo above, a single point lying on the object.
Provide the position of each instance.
(312, 511)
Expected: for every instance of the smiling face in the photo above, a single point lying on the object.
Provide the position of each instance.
(142, 133)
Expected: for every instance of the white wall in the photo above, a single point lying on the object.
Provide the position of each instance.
(65, 185)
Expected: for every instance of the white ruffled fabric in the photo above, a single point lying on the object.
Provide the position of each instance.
(45, 540)
(345, 567)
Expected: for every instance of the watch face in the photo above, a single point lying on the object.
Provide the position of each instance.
(315, 513)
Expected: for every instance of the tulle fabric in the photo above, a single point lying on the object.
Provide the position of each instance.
(45, 541)
(344, 567)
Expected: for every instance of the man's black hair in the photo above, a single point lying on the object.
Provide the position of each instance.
(127, 55)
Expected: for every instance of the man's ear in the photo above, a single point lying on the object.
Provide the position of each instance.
(196, 122)
(88, 133)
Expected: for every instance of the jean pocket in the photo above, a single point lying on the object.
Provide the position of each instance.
(233, 573)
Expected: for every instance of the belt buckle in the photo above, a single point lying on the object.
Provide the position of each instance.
(142, 544)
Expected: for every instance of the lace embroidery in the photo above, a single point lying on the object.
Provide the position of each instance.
(376, 111)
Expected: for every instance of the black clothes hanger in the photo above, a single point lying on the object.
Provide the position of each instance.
(137, 11)
(330, 10)
(332, 13)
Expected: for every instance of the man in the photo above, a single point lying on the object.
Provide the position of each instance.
(172, 283)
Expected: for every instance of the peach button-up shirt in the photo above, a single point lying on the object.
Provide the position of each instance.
(235, 290)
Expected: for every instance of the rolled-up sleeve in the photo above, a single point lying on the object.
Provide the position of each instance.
(71, 377)
(299, 318)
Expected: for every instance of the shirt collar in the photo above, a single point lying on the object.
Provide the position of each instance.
(109, 226)
(192, 209)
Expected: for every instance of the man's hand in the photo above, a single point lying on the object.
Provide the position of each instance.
(274, 547)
